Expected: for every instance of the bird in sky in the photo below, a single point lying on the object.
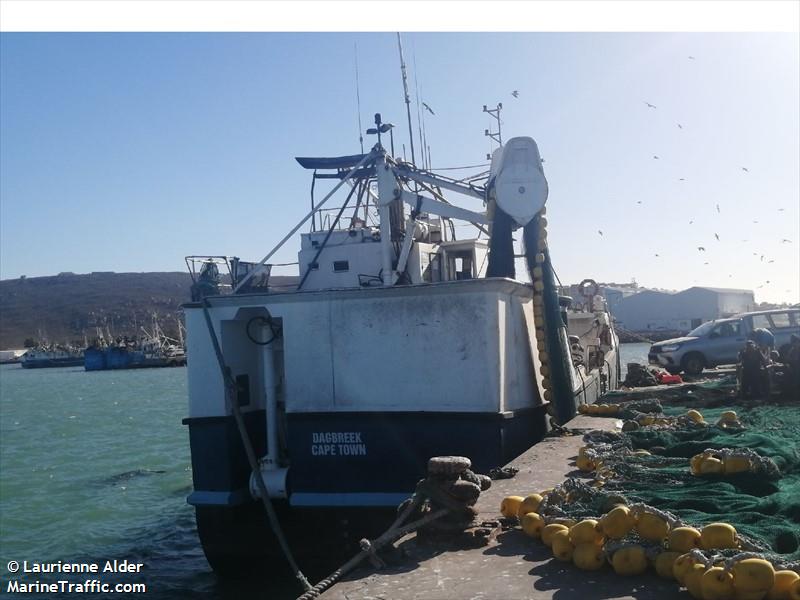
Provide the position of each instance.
(771, 261)
(680, 126)
(691, 58)
(716, 236)
(780, 210)
(755, 220)
(759, 287)
(657, 256)
(745, 169)
(654, 156)
(762, 258)
(718, 208)
(690, 222)
(600, 232)
(701, 249)
(785, 241)
(638, 202)
(515, 93)
(681, 179)
(767, 281)
(705, 263)
(650, 105)
(428, 108)
(744, 241)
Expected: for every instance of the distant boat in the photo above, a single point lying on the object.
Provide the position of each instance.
(153, 350)
(52, 356)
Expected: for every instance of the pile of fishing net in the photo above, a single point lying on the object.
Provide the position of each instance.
(742, 468)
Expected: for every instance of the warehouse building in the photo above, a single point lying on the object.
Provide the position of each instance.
(651, 310)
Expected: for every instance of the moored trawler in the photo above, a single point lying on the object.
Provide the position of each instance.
(51, 356)
(399, 343)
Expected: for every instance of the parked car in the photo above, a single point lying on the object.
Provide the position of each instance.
(719, 342)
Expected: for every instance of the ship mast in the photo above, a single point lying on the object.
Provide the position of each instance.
(408, 99)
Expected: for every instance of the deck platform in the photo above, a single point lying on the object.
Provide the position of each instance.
(513, 566)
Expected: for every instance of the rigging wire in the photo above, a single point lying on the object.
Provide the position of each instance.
(358, 102)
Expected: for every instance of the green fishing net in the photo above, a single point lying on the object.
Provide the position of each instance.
(765, 509)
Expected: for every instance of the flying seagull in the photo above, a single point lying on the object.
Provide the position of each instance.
(716, 236)
(755, 221)
(650, 105)
(657, 256)
(600, 232)
(638, 202)
(428, 108)
(680, 126)
(515, 93)
(745, 169)
(771, 261)
(785, 241)
(717, 207)
(701, 249)
(762, 258)
(705, 263)
(654, 156)
(691, 58)
(780, 210)
(690, 222)
(681, 179)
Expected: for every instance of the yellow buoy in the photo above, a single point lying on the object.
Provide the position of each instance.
(729, 415)
(736, 464)
(693, 580)
(665, 563)
(718, 536)
(617, 522)
(561, 545)
(550, 530)
(681, 567)
(717, 584)
(683, 539)
(510, 506)
(584, 463)
(532, 524)
(794, 591)
(589, 557)
(585, 532)
(529, 505)
(630, 560)
(753, 575)
(781, 589)
(652, 527)
(695, 416)
(711, 466)
(583, 408)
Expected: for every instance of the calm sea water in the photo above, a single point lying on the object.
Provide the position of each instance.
(95, 467)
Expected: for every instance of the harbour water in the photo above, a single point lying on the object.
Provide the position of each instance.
(95, 466)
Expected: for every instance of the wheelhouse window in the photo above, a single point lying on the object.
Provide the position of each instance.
(341, 266)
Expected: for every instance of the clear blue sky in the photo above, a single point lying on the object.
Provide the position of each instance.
(126, 152)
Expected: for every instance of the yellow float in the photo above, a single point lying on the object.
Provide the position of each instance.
(652, 527)
(717, 584)
(665, 562)
(562, 546)
(630, 560)
(529, 505)
(782, 588)
(550, 530)
(532, 524)
(509, 507)
(589, 557)
(718, 536)
(683, 539)
(617, 522)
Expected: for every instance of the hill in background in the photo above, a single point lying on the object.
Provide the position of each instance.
(66, 307)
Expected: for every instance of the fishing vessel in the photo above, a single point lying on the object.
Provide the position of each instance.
(153, 349)
(53, 355)
(400, 342)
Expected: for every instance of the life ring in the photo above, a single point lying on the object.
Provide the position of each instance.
(586, 283)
